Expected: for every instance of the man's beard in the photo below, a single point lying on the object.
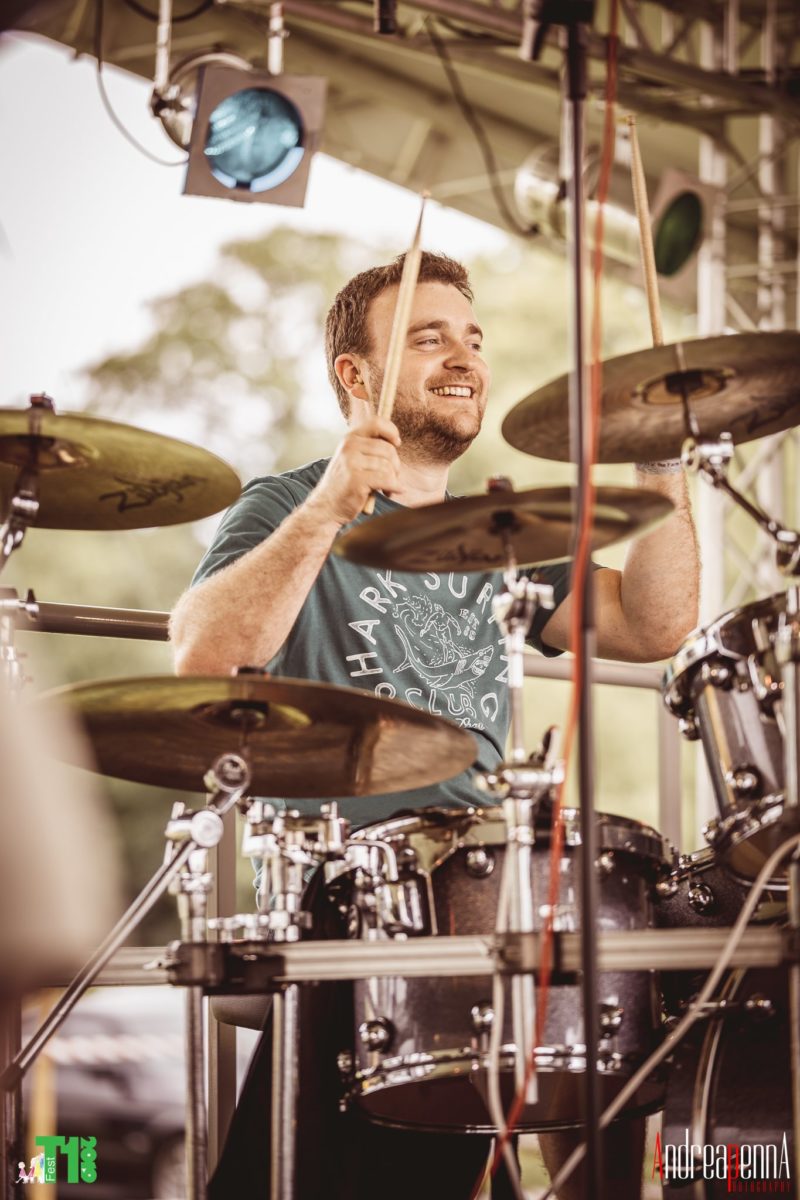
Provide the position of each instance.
(429, 433)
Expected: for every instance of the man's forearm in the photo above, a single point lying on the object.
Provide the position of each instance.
(660, 584)
(244, 613)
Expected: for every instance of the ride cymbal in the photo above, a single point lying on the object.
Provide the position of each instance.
(301, 738)
(469, 534)
(747, 384)
(89, 473)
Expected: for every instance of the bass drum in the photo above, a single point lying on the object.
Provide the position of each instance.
(418, 1056)
(730, 1086)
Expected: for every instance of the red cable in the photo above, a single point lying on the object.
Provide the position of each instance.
(581, 566)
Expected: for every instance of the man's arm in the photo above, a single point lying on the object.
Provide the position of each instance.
(244, 613)
(644, 612)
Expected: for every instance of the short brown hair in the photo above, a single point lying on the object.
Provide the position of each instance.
(346, 330)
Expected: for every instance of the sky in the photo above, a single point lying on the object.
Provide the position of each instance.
(90, 229)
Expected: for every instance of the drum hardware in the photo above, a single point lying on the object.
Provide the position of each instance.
(521, 792)
(240, 968)
(759, 1006)
(22, 511)
(189, 836)
(12, 610)
(711, 459)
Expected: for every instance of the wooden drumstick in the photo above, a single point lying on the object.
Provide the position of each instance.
(397, 340)
(645, 235)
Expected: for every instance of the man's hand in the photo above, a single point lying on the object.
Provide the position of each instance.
(365, 461)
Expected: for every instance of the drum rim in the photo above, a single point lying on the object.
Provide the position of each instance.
(485, 826)
(707, 641)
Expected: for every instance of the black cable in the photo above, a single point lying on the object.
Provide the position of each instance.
(471, 117)
(98, 53)
(151, 16)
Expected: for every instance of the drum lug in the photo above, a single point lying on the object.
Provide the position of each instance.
(689, 728)
(667, 886)
(604, 863)
(744, 781)
(482, 1017)
(711, 831)
(345, 1063)
(700, 897)
(717, 675)
(611, 1017)
(479, 862)
(376, 1035)
(760, 1006)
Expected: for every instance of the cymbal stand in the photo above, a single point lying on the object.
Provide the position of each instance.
(12, 670)
(189, 836)
(22, 512)
(23, 507)
(521, 788)
(711, 460)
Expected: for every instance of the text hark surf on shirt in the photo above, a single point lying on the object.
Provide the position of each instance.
(435, 645)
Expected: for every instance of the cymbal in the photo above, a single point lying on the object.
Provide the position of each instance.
(467, 534)
(97, 474)
(303, 739)
(747, 384)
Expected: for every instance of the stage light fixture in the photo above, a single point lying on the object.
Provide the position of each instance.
(681, 213)
(254, 134)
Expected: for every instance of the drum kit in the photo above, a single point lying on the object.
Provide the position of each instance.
(434, 920)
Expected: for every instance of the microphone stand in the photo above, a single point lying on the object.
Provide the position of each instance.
(576, 16)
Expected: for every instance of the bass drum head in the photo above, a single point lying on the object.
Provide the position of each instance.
(730, 1086)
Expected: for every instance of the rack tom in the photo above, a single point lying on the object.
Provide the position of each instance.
(724, 685)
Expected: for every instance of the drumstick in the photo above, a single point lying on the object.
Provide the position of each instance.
(397, 340)
(645, 235)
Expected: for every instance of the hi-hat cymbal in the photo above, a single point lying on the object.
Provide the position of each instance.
(303, 739)
(469, 534)
(95, 474)
(747, 384)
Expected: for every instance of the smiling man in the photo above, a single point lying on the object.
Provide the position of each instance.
(270, 592)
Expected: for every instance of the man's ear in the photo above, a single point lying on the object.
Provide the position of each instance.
(350, 374)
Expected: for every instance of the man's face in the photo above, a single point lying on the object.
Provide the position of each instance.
(444, 382)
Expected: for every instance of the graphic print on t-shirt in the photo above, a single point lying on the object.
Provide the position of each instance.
(444, 663)
(434, 655)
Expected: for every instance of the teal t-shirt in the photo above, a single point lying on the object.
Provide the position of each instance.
(428, 639)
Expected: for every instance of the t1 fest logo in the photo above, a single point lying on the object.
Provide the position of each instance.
(61, 1159)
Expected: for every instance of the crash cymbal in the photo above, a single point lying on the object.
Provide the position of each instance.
(303, 739)
(468, 534)
(95, 474)
(747, 384)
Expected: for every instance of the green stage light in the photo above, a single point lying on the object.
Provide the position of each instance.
(678, 232)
